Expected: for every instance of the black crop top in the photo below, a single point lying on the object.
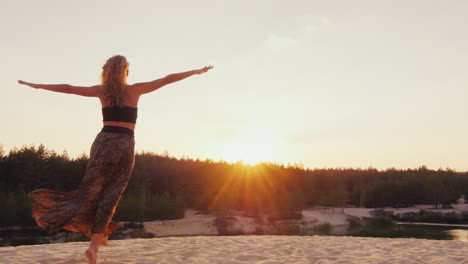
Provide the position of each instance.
(120, 113)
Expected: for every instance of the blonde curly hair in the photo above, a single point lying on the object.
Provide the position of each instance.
(114, 80)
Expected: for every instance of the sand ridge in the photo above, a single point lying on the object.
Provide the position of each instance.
(248, 249)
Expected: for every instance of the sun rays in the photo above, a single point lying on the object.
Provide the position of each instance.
(252, 146)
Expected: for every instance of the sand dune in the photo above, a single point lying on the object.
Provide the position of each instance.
(247, 249)
(195, 223)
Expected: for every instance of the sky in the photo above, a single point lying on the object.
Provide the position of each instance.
(324, 84)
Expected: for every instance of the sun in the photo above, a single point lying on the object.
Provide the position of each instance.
(251, 147)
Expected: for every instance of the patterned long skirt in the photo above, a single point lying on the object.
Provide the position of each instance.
(90, 208)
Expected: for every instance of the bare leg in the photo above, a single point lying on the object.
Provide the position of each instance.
(91, 253)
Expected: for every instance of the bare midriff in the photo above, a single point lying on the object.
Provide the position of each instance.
(132, 101)
(120, 124)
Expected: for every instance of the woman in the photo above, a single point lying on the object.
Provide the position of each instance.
(89, 209)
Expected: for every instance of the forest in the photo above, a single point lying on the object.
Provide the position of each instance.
(162, 186)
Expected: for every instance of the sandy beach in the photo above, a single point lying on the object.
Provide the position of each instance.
(247, 249)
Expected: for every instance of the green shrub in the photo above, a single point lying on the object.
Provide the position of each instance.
(323, 229)
(223, 224)
(434, 217)
(286, 227)
(163, 207)
(16, 210)
(464, 216)
(380, 222)
(354, 222)
(149, 207)
(292, 229)
(130, 208)
(140, 233)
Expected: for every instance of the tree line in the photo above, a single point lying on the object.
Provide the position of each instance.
(275, 189)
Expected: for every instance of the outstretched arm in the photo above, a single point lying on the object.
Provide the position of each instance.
(147, 87)
(91, 91)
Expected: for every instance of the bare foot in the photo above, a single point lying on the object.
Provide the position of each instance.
(92, 255)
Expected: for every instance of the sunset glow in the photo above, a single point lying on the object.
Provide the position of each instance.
(251, 147)
(358, 84)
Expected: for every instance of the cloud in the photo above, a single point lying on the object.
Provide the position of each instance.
(290, 40)
(321, 23)
(276, 42)
(311, 27)
(325, 21)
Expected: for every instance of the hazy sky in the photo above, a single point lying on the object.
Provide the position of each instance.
(323, 83)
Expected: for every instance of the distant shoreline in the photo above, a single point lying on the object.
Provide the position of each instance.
(431, 224)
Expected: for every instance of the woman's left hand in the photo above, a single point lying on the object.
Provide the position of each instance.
(25, 83)
(28, 84)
